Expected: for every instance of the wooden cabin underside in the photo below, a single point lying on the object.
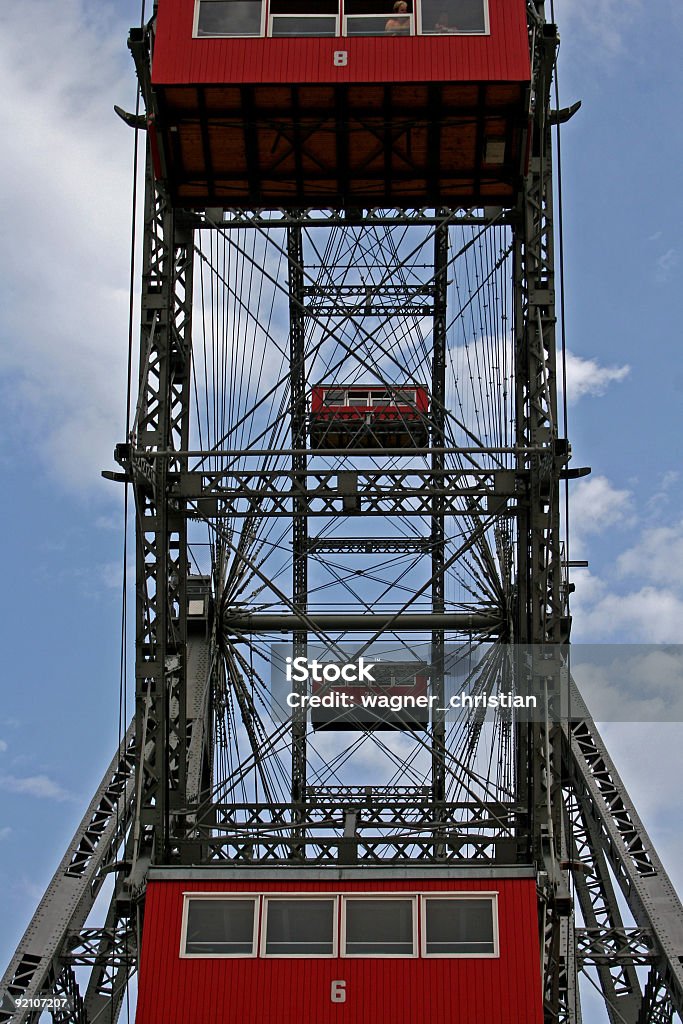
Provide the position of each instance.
(341, 145)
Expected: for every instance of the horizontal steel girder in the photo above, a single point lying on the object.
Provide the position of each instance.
(236, 622)
(224, 220)
(333, 492)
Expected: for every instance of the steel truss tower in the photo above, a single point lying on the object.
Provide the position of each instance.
(246, 534)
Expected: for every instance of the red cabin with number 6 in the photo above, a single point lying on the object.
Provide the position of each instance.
(235, 945)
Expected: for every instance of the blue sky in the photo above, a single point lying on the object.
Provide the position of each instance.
(66, 218)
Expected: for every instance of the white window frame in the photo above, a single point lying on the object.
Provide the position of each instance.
(459, 896)
(224, 35)
(344, 402)
(452, 35)
(255, 898)
(409, 394)
(272, 16)
(387, 17)
(297, 897)
(375, 896)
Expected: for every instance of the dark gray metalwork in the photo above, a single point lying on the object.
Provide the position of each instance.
(299, 485)
(38, 967)
(438, 511)
(625, 845)
(323, 492)
(236, 622)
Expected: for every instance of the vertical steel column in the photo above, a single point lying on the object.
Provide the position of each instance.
(539, 609)
(438, 536)
(161, 428)
(300, 504)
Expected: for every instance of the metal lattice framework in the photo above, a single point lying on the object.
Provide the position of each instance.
(245, 532)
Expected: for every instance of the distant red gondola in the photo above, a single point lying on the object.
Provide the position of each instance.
(369, 416)
(398, 698)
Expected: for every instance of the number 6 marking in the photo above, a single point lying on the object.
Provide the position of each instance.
(338, 992)
(341, 58)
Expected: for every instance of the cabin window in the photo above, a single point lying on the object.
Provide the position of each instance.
(405, 398)
(335, 398)
(459, 926)
(299, 927)
(229, 18)
(358, 398)
(220, 927)
(302, 18)
(379, 927)
(453, 17)
(377, 18)
(303, 25)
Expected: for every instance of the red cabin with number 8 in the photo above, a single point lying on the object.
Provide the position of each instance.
(339, 103)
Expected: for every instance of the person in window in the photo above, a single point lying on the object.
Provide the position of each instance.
(443, 25)
(397, 25)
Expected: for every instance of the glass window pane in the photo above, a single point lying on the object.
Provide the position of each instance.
(457, 926)
(224, 927)
(300, 927)
(293, 25)
(229, 18)
(378, 25)
(335, 398)
(453, 16)
(379, 927)
(383, 674)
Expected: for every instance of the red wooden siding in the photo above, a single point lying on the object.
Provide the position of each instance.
(502, 990)
(501, 56)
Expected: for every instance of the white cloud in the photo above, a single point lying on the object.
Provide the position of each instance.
(666, 265)
(669, 479)
(657, 557)
(596, 507)
(40, 786)
(648, 615)
(604, 22)
(604, 607)
(67, 166)
(3, 746)
(630, 682)
(588, 377)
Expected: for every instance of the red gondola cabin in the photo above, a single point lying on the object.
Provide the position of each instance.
(360, 946)
(339, 103)
(369, 416)
(398, 698)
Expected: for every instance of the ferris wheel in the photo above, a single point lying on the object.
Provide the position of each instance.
(357, 754)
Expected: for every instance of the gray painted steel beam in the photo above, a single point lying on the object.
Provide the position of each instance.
(639, 872)
(36, 965)
(359, 622)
